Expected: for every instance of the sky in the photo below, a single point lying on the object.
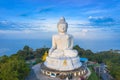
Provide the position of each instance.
(90, 21)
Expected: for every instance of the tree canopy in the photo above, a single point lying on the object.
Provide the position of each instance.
(13, 68)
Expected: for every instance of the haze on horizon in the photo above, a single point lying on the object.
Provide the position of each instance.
(95, 24)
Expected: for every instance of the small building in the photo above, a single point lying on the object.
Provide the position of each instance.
(84, 60)
(116, 51)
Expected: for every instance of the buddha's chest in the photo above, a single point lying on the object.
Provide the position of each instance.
(63, 42)
(62, 39)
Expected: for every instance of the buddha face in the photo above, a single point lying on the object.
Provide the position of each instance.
(62, 28)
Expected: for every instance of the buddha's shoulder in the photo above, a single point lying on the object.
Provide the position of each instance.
(55, 35)
(67, 35)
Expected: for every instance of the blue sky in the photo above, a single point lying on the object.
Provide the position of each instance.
(37, 19)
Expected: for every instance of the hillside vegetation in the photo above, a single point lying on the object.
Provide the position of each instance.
(15, 68)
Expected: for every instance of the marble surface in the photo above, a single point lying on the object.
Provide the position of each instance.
(61, 55)
(63, 64)
(62, 43)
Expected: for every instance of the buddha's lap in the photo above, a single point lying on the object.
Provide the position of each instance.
(65, 52)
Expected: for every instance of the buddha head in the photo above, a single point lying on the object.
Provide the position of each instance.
(62, 25)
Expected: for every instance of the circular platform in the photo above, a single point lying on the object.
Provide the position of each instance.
(81, 71)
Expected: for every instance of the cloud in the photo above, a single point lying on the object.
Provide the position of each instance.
(27, 30)
(94, 34)
(35, 12)
(3, 22)
(38, 30)
(8, 25)
(24, 34)
(24, 15)
(44, 10)
(42, 19)
(101, 21)
(95, 11)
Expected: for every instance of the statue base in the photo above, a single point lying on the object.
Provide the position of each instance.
(63, 64)
(79, 72)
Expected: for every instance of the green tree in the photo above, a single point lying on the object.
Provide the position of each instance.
(26, 53)
(13, 68)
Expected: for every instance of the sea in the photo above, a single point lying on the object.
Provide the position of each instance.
(11, 46)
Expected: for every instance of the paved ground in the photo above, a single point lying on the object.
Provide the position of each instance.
(32, 76)
(104, 75)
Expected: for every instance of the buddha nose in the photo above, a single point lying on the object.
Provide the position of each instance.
(63, 28)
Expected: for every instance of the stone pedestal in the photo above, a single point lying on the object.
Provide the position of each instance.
(63, 67)
(63, 64)
(76, 73)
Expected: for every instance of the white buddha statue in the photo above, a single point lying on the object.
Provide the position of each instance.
(61, 56)
(62, 43)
